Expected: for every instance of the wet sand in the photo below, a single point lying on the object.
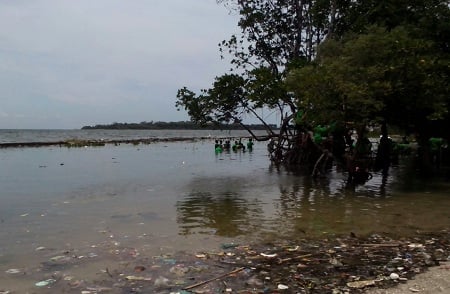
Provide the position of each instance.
(435, 280)
(376, 265)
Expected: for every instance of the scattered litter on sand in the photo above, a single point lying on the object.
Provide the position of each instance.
(337, 265)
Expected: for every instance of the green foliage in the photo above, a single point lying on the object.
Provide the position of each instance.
(338, 60)
(223, 103)
(395, 75)
(161, 125)
(276, 37)
(264, 88)
(276, 32)
(317, 88)
(194, 106)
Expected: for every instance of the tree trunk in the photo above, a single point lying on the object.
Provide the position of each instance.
(383, 157)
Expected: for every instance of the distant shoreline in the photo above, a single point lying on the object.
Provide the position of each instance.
(181, 125)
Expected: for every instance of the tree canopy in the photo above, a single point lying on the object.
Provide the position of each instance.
(380, 75)
(319, 62)
(276, 36)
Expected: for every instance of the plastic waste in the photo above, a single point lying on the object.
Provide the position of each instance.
(360, 284)
(161, 282)
(269, 255)
(282, 287)
(169, 261)
(229, 245)
(45, 283)
(137, 278)
(59, 258)
(139, 268)
(179, 270)
(394, 276)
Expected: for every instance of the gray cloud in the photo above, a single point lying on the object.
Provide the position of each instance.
(86, 62)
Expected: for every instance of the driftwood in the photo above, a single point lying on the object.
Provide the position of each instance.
(382, 245)
(280, 261)
(214, 279)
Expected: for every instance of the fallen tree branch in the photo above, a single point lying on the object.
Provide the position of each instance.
(381, 245)
(213, 279)
(280, 261)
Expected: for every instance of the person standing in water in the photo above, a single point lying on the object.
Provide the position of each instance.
(250, 145)
(218, 147)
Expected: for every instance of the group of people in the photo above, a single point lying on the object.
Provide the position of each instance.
(220, 146)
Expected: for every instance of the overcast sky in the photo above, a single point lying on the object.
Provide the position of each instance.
(66, 63)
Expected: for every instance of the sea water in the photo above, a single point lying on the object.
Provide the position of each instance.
(164, 197)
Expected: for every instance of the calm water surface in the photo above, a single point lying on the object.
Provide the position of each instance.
(165, 197)
(23, 136)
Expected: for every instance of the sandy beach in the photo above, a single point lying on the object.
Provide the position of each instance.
(434, 280)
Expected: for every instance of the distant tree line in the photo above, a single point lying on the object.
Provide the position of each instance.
(179, 125)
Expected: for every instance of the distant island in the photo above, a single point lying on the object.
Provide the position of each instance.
(180, 125)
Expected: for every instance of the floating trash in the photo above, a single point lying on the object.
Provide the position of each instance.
(292, 249)
(45, 283)
(282, 287)
(136, 278)
(255, 282)
(394, 276)
(361, 284)
(139, 268)
(169, 261)
(161, 282)
(269, 255)
(415, 245)
(60, 258)
(229, 245)
(68, 278)
(343, 265)
(179, 270)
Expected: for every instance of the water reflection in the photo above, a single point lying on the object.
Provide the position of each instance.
(328, 206)
(218, 206)
(286, 204)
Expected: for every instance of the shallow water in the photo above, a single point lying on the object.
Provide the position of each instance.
(162, 198)
(26, 136)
